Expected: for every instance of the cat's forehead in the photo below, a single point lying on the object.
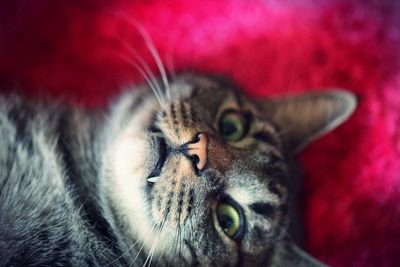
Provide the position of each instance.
(202, 87)
(247, 186)
(210, 95)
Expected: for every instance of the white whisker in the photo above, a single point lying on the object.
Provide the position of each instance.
(132, 246)
(162, 252)
(140, 208)
(146, 68)
(150, 45)
(153, 247)
(173, 249)
(142, 72)
(180, 240)
(180, 233)
(127, 250)
(144, 242)
(156, 57)
(171, 65)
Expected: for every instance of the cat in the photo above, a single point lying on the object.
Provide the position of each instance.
(195, 175)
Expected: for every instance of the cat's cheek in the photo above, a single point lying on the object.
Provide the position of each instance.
(128, 157)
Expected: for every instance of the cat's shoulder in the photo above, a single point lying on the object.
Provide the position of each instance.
(31, 170)
(38, 213)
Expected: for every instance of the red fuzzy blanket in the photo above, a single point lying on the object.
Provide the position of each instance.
(80, 51)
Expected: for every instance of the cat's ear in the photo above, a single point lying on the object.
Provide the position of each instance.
(302, 118)
(289, 254)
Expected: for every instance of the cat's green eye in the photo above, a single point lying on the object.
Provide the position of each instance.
(232, 125)
(229, 219)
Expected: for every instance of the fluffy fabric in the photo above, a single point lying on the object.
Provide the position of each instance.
(81, 52)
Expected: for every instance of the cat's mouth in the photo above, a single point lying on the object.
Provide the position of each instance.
(160, 154)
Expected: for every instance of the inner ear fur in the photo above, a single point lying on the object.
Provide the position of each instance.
(302, 118)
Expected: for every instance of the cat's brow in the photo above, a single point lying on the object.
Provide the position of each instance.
(263, 208)
(265, 137)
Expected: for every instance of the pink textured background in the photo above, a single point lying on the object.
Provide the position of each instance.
(352, 197)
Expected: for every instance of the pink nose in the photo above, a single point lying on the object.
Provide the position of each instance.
(199, 149)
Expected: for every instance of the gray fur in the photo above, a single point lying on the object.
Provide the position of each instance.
(42, 217)
(58, 207)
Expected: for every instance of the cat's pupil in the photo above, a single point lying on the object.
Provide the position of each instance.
(228, 128)
(225, 222)
(232, 125)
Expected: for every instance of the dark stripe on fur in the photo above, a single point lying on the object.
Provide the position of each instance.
(195, 261)
(272, 186)
(90, 209)
(184, 115)
(274, 171)
(265, 137)
(264, 209)
(191, 201)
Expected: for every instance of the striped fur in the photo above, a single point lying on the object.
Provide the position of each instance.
(74, 188)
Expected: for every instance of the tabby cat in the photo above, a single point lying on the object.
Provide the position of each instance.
(194, 175)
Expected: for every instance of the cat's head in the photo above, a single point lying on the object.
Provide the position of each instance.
(199, 174)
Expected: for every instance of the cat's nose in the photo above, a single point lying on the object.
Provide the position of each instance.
(197, 150)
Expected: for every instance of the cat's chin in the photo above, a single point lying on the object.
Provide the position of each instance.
(130, 193)
(157, 157)
(132, 159)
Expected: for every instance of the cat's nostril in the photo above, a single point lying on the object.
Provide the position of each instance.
(197, 151)
(196, 138)
(196, 159)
